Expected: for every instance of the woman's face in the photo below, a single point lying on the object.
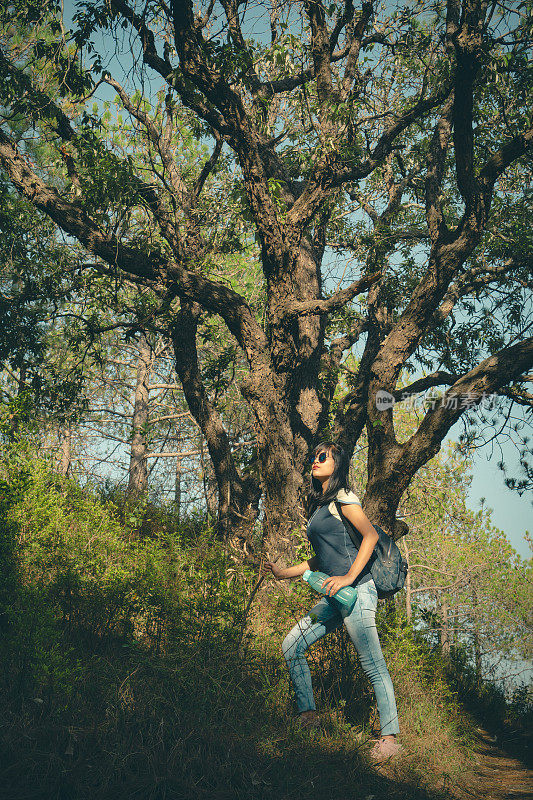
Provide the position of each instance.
(323, 466)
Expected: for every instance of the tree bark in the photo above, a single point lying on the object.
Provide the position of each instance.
(65, 439)
(237, 497)
(177, 482)
(408, 598)
(444, 626)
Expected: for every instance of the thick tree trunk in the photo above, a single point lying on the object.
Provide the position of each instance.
(285, 395)
(138, 470)
(305, 404)
(280, 461)
(386, 484)
(283, 496)
(281, 477)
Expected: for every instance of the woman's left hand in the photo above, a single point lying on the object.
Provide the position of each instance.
(336, 582)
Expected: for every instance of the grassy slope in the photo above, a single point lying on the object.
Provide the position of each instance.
(128, 670)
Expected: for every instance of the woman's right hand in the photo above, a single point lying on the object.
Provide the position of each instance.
(270, 568)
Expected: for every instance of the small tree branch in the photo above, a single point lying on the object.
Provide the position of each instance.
(472, 280)
(155, 135)
(342, 343)
(335, 301)
(519, 396)
(503, 158)
(168, 417)
(201, 22)
(435, 379)
(207, 169)
(350, 70)
(177, 454)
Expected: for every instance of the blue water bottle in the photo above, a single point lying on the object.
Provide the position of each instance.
(347, 595)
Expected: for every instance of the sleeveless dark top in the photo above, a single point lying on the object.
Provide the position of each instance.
(331, 542)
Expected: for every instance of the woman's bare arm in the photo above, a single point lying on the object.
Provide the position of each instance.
(280, 573)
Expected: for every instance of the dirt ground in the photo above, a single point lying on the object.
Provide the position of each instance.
(495, 774)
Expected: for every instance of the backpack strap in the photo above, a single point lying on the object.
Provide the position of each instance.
(349, 528)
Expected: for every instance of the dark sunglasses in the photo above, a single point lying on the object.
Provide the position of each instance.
(321, 457)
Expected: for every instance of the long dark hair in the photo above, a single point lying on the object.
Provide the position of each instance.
(338, 479)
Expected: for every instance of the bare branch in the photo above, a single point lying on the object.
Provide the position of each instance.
(342, 343)
(490, 376)
(336, 300)
(519, 396)
(350, 69)
(168, 417)
(176, 454)
(207, 169)
(435, 379)
(282, 85)
(499, 161)
(201, 22)
(472, 280)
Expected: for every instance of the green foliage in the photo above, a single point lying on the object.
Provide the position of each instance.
(98, 574)
(9, 572)
(37, 279)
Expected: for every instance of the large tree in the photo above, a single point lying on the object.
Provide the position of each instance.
(416, 117)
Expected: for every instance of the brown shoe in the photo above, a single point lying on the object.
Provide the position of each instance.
(384, 749)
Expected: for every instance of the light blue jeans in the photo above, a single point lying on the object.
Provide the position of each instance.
(327, 615)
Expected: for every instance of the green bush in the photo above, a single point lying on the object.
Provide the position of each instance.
(84, 562)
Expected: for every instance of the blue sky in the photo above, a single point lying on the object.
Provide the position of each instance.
(511, 513)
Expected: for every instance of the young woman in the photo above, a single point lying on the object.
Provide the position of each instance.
(337, 556)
